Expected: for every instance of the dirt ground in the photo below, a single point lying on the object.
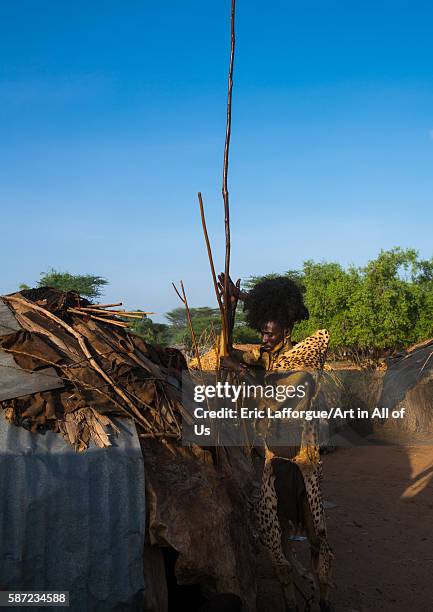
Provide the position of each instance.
(380, 518)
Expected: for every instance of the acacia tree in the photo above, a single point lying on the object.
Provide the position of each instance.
(87, 285)
(202, 319)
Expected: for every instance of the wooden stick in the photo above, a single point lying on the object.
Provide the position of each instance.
(110, 321)
(80, 312)
(107, 305)
(222, 342)
(107, 313)
(188, 315)
(104, 313)
(225, 192)
(82, 342)
(209, 252)
(105, 320)
(129, 315)
(123, 324)
(121, 312)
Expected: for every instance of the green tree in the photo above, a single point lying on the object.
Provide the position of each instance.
(153, 333)
(87, 285)
(422, 278)
(295, 275)
(243, 334)
(202, 318)
(327, 291)
(387, 304)
(397, 301)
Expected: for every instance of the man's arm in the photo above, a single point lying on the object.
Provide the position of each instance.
(241, 361)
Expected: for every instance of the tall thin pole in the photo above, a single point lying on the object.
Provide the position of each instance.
(225, 192)
(209, 252)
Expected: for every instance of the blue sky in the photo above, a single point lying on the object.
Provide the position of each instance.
(112, 117)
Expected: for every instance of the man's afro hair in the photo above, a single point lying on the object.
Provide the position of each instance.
(275, 299)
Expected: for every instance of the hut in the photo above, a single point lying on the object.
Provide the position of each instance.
(98, 495)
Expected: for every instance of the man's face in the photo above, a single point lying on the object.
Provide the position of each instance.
(272, 334)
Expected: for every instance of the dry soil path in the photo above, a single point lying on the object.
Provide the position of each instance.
(381, 527)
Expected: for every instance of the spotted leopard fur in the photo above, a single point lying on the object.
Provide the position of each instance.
(310, 354)
(307, 355)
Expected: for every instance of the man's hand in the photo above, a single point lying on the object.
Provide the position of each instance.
(228, 363)
(235, 292)
(234, 295)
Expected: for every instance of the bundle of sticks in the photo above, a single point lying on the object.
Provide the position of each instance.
(104, 312)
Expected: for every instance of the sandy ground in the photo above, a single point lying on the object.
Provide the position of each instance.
(381, 526)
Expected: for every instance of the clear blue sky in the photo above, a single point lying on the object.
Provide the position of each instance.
(112, 117)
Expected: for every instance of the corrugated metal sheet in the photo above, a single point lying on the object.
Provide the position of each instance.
(73, 521)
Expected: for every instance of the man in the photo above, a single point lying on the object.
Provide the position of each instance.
(290, 495)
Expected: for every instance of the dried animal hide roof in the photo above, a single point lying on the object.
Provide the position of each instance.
(105, 370)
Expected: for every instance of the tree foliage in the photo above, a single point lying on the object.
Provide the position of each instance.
(385, 305)
(153, 333)
(87, 285)
(204, 320)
